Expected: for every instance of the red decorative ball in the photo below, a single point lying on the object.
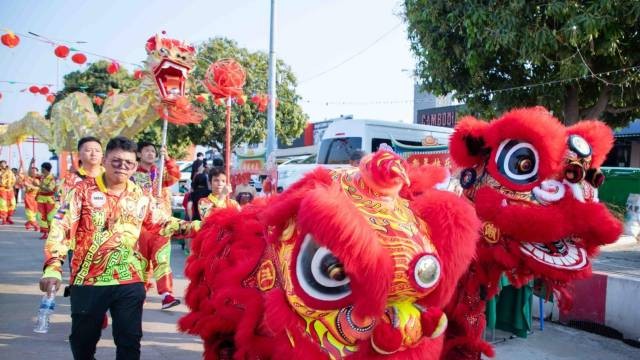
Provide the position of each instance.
(51, 98)
(138, 74)
(79, 58)
(34, 89)
(225, 78)
(61, 51)
(43, 90)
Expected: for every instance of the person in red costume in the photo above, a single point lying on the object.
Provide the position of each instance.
(31, 184)
(90, 154)
(155, 248)
(7, 197)
(105, 215)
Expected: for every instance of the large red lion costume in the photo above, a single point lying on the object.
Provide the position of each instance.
(534, 185)
(339, 266)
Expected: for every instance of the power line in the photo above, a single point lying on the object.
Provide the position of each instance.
(352, 56)
(24, 83)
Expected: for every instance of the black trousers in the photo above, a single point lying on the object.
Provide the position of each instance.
(89, 304)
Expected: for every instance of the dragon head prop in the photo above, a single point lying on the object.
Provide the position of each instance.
(534, 185)
(170, 61)
(339, 266)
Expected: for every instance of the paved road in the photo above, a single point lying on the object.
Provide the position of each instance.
(21, 261)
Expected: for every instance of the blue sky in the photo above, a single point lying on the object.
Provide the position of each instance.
(313, 36)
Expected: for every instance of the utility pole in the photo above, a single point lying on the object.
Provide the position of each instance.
(272, 142)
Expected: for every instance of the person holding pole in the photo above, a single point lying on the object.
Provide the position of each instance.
(7, 196)
(156, 248)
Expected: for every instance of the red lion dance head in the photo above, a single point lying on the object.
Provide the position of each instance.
(339, 266)
(534, 185)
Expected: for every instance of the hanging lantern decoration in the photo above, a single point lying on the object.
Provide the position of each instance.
(43, 90)
(61, 51)
(98, 100)
(138, 74)
(34, 89)
(10, 40)
(113, 68)
(262, 100)
(51, 98)
(79, 58)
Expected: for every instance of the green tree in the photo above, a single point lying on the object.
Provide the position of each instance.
(248, 125)
(473, 48)
(95, 81)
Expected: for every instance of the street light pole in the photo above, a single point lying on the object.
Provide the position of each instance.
(271, 107)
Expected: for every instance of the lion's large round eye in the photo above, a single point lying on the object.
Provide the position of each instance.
(320, 273)
(517, 161)
(163, 52)
(579, 145)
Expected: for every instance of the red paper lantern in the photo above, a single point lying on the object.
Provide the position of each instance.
(138, 74)
(98, 100)
(34, 89)
(225, 78)
(79, 58)
(262, 100)
(10, 40)
(113, 68)
(43, 90)
(61, 51)
(51, 98)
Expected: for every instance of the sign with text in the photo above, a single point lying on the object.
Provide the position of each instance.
(442, 116)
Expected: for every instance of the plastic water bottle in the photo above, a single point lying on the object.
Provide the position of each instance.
(47, 305)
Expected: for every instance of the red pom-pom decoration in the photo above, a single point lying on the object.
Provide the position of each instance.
(34, 89)
(225, 78)
(43, 90)
(138, 74)
(51, 98)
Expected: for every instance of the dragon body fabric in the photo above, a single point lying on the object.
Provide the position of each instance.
(126, 114)
(337, 267)
(534, 186)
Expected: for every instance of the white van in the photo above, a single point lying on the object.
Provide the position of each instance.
(343, 137)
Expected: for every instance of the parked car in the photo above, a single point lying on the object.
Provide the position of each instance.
(294, 169)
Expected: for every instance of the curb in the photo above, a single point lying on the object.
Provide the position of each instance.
(607, 300)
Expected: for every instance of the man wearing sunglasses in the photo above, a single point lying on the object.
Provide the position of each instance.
(104, 215)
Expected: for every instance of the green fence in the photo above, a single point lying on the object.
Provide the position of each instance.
(619, 183)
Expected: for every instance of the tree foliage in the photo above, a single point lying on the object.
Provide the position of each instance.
(96, 82)
(473, 48)
(248, 125)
